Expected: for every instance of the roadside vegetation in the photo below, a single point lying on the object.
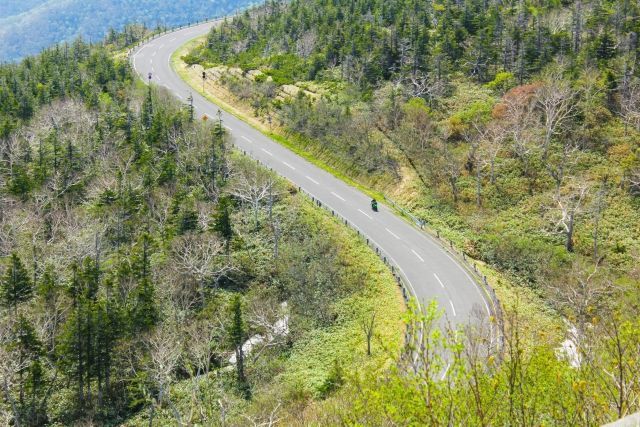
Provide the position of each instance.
(512, 128)
(150, 275)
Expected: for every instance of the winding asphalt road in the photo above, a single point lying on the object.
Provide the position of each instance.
(431, 272)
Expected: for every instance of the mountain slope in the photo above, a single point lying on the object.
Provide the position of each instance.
(28, 26)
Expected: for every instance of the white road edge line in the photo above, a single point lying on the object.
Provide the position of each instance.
(452, 307)
(338, 196)
(312, 180)
(393, 234)
(417, 254)
(268, 152)
(289, 166)
(475, 284)
(246, 139)
(444, 374)
(364, 213)
(438, 279)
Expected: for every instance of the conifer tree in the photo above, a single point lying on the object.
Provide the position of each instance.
(222, 220)
(237, 335)
(16, 286)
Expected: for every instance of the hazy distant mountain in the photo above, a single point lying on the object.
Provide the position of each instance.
(27, 26)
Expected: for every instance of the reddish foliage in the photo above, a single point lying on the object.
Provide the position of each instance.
(518, 95)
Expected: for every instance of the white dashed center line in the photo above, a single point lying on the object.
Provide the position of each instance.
(228, 128)
(438, 279)
(392, 233)
(312, 180)
(418, 255)
(364, 213)
(289, 166)
(268, 152)
(338, 196)
(173, 39)
(452, 307)
(246, 139)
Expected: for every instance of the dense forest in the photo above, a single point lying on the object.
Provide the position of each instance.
(149, 274)
(28, 26)
(511, 128)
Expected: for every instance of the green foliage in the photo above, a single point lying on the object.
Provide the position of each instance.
(222, 219)
(335, 380)
(15, 286)
(502, 82)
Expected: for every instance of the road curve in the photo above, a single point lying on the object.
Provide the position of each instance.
(432, 273)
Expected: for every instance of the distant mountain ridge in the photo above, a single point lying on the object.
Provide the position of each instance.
(28, 26)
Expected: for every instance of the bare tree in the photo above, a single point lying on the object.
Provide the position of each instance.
(306, 43)
(518, 118)
(570, 205)
(266, 419)
(630, 104)
(448, 166)
(199, 255)
(367, 324)
(634, 180)
(614, 368)
(164, 351)
(426, 86)
(252, 185)
(581, 295)
(203, 344)
(598, 208)
(557, 100)
(558, 163)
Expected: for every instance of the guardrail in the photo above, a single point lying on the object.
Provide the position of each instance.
(466, 261)
(167, 30)
(401, 280)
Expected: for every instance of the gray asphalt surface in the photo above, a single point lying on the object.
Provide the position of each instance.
(431, 271)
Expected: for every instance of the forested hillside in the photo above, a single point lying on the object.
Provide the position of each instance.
(27, 26)
(511, 128)
(149, 275)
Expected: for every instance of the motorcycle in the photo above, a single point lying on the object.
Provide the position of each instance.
(374, 205)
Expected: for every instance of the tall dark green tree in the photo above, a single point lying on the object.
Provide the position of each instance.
(31, 378)
(16, 286)
(222, 220)
(237, 333)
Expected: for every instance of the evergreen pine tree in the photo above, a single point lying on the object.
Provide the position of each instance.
(222, 220)
(16, 286)
(237, 335)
